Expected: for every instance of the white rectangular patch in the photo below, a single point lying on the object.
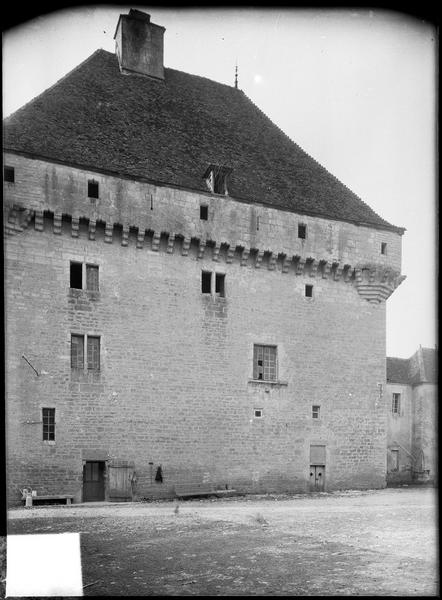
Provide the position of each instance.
(43, 565)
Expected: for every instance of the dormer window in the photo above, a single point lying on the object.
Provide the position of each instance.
(216, 179)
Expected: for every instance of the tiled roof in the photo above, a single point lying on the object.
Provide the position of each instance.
(170, 131)
(397, 370)
(430, 365)
(419, 368)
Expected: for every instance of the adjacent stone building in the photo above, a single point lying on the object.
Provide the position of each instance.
(189, 295)
(411, 392)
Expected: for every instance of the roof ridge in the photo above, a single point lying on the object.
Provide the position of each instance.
(230, 87)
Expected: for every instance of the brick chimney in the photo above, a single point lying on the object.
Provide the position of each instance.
(139, 45)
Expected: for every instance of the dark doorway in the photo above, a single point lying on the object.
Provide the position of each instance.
(93, 481)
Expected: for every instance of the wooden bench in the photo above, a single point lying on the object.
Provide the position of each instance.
(62, 497)
(183, 490)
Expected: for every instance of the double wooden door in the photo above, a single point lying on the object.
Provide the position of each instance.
(317, 478)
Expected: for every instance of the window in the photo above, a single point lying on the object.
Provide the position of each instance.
(213, 281)
(48, 418)
(219, 284)
(206, 282)
(396, 404)
(76, 275)
(264, 362)
(316, 411)
(394, 460)
(9, 174)
(309, 291)
(219, 183)
(93, 353)
(258, 413)
(77, 351)
(302, 231)
(383, 248)
(204, 212)
(92, 278)
(92, 188)
(216, 178)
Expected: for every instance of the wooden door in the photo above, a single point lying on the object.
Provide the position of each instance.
(93, 481)
(317, 478)
(120, 481)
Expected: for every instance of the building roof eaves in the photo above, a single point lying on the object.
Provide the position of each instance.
(268, 167)
(161, 183)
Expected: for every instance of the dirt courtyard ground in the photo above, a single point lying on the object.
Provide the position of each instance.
(375, 542)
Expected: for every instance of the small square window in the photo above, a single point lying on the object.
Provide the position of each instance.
(9, 174)
(219, 284)
(258, 413)
(48, 418)
(384, 248)
(204, 212)
(92, 278)
(316, 410)
(302, 231)
(396, 404)
(92, 188)
(206, 282)
(76, 275)
(309, 291)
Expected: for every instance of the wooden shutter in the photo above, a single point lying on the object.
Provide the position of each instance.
(93, 353)
(92, 278)
(77, 351)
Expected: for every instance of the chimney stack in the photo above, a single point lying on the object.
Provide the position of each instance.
(139, 45)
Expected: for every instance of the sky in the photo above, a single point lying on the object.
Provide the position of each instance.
(355, 88)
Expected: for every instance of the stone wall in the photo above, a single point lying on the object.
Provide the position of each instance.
(399, 434)
(175, 386)
(424, 431)
(41, 185)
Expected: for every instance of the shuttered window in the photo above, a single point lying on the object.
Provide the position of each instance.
(77, 351)
(93, 353)
(92, 278)
(48, 418)
(264, 362)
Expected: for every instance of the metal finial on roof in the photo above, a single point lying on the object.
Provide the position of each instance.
(236, 75)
